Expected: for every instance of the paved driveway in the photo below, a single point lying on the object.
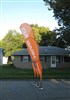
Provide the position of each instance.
(25, 90)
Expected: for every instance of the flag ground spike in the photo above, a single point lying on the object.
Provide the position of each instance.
(40, 85)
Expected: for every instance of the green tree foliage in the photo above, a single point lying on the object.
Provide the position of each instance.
(61, 10)
(36, 32)
(13, 41)
(48, 38)
(43, 35)
(0, 43)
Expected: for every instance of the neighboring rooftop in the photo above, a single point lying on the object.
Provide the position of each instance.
(1, 50)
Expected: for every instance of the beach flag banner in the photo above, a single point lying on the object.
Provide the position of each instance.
(32, 47)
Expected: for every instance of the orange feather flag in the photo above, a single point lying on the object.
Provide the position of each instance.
(32, 46)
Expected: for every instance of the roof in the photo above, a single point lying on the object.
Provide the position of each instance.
(44, 50)
(21, 52)
(53, 50)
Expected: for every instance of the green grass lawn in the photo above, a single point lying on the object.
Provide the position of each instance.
(10, 72)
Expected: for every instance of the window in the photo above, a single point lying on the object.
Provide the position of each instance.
(60, 59)
(53, 60)
(24, 58)
(42, 58)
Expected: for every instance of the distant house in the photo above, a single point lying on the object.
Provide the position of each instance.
(5, 60)
(1, 56)
(50, 57)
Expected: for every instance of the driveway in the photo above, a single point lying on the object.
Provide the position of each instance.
(26, 90)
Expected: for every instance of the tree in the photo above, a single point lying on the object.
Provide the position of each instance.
(13, 41)
(48, 38)
(36, 32)
(0, 43)
(39, 31)
(43, 35)
(61, 10)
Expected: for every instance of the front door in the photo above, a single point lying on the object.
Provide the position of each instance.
(53, 61)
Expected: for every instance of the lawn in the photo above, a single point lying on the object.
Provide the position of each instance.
(10, 72)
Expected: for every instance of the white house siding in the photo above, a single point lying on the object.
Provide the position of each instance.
(5, 59)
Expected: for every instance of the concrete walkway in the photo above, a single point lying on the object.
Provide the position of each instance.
(25, 90)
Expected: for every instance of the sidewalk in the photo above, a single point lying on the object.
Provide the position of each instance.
(26, 90)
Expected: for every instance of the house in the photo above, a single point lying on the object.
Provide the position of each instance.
(1, 56)
(50, 57)
(5, 60)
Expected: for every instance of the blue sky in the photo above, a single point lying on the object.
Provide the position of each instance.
(15, 12)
